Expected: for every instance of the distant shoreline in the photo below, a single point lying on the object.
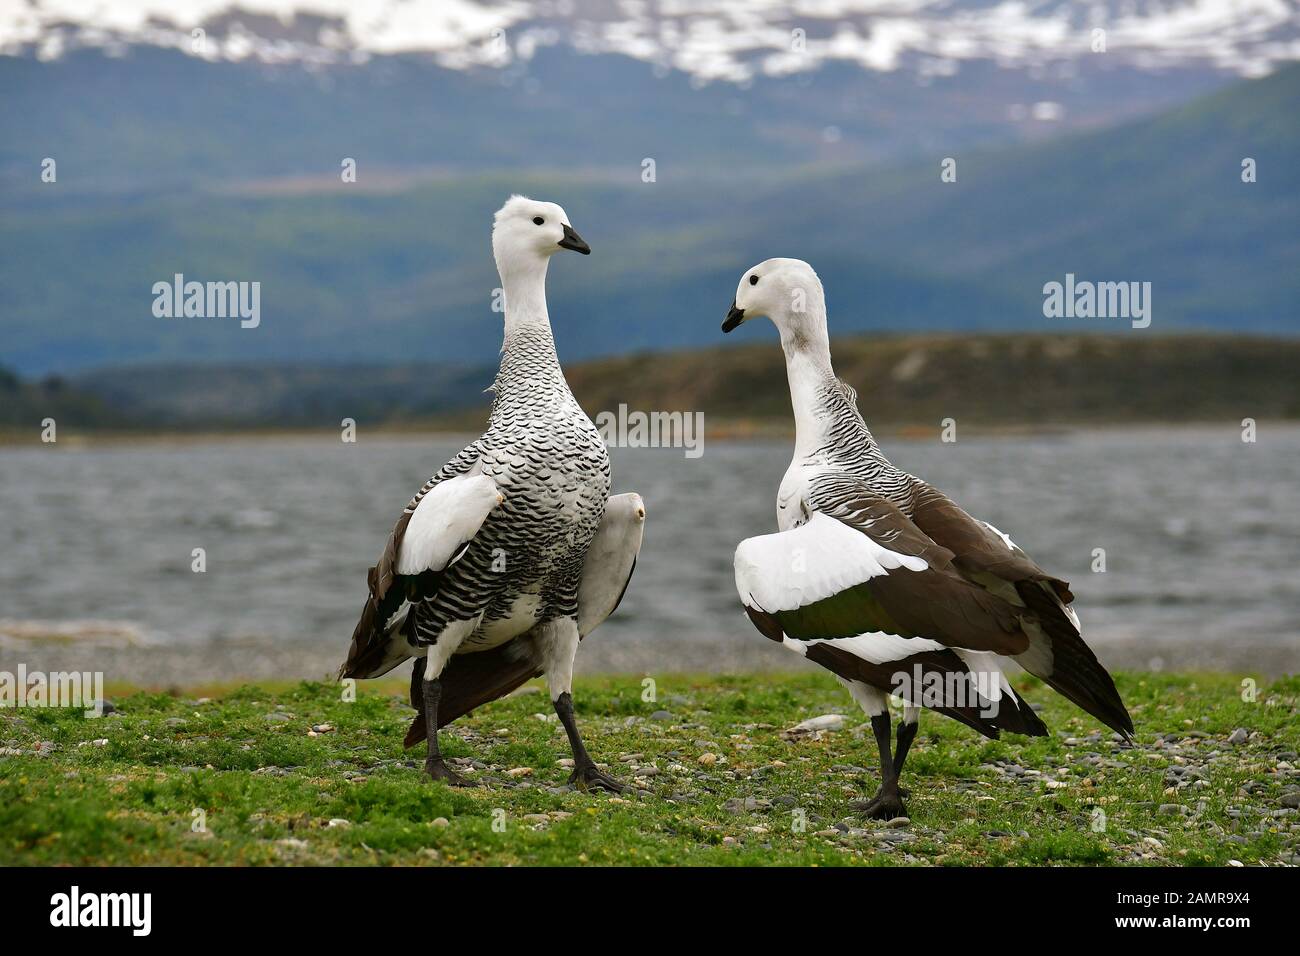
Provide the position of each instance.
(730, 432)
(907, 385)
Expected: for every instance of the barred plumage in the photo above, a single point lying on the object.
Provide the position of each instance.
(549, 461)
(848, 454)
(485, 579)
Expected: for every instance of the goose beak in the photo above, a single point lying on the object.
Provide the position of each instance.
(574, 241)
(734, 317)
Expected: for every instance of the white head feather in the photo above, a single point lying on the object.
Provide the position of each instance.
(789, 293)
(527, 232)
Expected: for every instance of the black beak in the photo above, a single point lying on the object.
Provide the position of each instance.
(734, 317)
(574, 241)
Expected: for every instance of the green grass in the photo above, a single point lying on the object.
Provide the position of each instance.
(130, 788)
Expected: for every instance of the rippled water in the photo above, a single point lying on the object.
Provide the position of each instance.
(1201, 534)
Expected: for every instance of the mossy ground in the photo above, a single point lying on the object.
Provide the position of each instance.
(720, 781)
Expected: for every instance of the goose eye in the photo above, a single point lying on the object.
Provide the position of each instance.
(753, 280)
(538, 220)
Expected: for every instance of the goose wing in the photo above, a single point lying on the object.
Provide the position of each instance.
(863, 592)
(471, 680)
(432, 532)
(864, 567)
(1056, 653)
(872, 594)
(611, 559)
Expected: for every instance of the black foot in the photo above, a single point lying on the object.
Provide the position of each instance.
(589, 778)
(861, 805)
(438, 770)
(886, 805)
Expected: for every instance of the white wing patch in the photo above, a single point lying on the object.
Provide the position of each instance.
(446, 518)
(876, 647)
(986, 675)
(1006, 538)
(821, 558)
(986, 669)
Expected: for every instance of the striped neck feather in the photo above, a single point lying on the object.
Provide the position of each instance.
(827, 421)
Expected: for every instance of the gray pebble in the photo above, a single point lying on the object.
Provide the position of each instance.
(747, 805)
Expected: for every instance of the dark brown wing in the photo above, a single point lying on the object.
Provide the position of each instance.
(1058, 654)
(976, 592)
(979, 553)
(938, 603)
(387, 589)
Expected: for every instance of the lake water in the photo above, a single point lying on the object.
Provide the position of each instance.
(1201, 535)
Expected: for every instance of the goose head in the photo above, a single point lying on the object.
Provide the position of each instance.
(527, 232)
(788, 292)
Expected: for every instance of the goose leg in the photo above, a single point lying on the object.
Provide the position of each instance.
(429, 672)
(906, 734)
(434, 765)
(417, 685)
(888, 802)
(558, 642)
(586, 775)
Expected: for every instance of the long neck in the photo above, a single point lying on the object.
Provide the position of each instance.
(827, 422)
(524, 286)
(812, 378)
(529, 364)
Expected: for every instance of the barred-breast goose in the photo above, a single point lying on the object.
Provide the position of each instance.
(514, 550)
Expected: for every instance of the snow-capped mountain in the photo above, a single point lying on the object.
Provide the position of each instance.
(711, 40)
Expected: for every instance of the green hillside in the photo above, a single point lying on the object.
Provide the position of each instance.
(25, 405)
(902, 381)
(366, 275)
(996, 380)
(1160, 200)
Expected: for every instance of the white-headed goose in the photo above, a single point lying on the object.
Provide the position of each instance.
(882, 579)
(514, 550)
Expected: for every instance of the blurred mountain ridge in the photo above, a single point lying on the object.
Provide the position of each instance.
(406, 275)
(903, 381)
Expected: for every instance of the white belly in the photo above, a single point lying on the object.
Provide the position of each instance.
(522, 616)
